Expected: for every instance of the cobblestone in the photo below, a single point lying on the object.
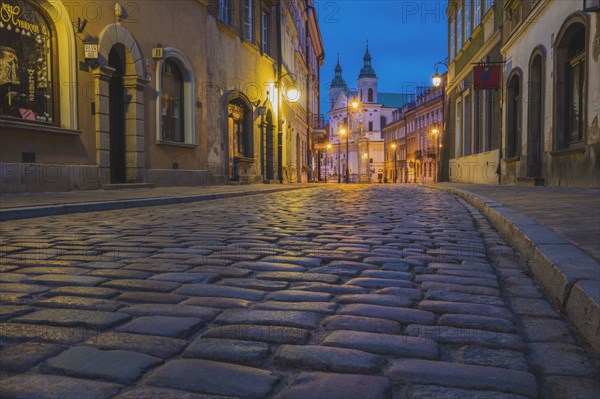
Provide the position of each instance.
(325, 358)
(73, 317)
(22, 357)
(56, 387)
(336, 386)
(156, 346)
(165, 326)
(387, 312)
(228, 350)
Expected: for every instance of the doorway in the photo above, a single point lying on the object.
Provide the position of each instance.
(534, 131)
(116, 100)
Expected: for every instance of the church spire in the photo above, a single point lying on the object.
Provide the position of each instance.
(367, 70)
(338, 80)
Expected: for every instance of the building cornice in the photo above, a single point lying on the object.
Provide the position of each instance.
(532, 19)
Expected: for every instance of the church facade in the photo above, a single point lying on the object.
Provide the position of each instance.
(356, 121)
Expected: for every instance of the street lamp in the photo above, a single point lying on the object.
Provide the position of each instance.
(292, 95)
(438, 82)
(395, 167)
(354, 104)
(328, 149)
(342, 132)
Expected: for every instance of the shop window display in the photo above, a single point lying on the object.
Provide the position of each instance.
(26, 86)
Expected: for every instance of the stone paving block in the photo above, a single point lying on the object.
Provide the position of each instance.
(532, 307)
(270, 334)
(385, 344)
(409, 293)
(401, 315)
(165, 326)
(228, 350)
(338, 270)
(22, 357)
(53, 270)
(31, 332)
(220, 303)
(450, 296)
(91, 292)
(141, 285)
(66, 279)
(115, 365)
(439, 278)
(207, 376)
(476, 322)
(8, 311)
(161, 347)
(75, 302)
(546, 330)
(201, 313)
(254, 283)
(224, 271)
(467, 289)
(380, 283)
(23, 288)
(332, 289)
(146, 392)
(465, 336)
(434, 391)
(474, 354)
(376, 299)
(380, 260)
(387, 274)
(269, 317)
(318, 307)
(336, 386)
(323, 358)
(397, 266)
(359, 323)
(220, 291)
(120, 274)
(562, 359)
(466, 308)
(519, 291)
(269, 266)
(299, 276)
(158, 266)
(300, 296)
(186, 278)
(27, 386)
(73, 317)
(13, 298)
(417, 371)
(150, 297)
(12, 277)
(296, 260)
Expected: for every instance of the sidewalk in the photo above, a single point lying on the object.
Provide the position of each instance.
(28, 205)
(557, 231)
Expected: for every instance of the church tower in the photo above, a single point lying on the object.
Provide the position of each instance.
(338, 85)
(367, 81)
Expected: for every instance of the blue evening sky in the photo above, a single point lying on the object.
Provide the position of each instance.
(406, 38)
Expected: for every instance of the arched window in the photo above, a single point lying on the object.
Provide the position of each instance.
(171, 98)
(513, 116)
(370, 95)
(175, 103)
(28, 88)
(570, 85)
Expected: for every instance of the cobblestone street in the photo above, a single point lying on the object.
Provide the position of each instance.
(336, 292)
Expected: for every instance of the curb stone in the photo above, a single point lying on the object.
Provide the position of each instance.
(569, 277)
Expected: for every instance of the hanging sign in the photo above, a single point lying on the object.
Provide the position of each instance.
(486, 77)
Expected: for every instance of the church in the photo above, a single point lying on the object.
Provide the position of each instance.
(356, 121)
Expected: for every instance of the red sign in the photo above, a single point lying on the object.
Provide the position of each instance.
(486, 77)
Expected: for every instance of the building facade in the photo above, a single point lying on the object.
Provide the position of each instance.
(474, 127)
(356, 121)
(413, 141)
(552, 94)
(98, 93)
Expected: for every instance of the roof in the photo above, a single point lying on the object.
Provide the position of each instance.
(394, 100)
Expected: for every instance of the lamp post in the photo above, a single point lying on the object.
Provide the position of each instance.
(327, 165)
(341, 132)
(293, 95)
(438, 82)
(436, 134)
(395, 167)
(354, 104)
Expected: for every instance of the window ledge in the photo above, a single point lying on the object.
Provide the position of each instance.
(568, 151)
(176, 144)
(512, 159)
(250, 44)
(227, 28)
(37, 127)
(467, 44)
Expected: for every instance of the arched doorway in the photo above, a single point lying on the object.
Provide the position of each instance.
(513, 116)
(534, 118)
(270, 147)
(240, 138)
(116, 100)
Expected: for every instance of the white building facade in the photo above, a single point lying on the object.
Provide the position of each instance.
(356, 121)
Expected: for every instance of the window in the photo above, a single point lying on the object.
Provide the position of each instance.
(239, 128)
(488, 4)
(570, 86)
(26, 73)
(171, 98)
(370, 126)
(370, 95)
(467, 19)
(476, 13)
(458, 129)
(225, 11)
(513, 114)
(452, 39)
(248, 20)
(459, 28)
(265, 32)
(467, 125)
